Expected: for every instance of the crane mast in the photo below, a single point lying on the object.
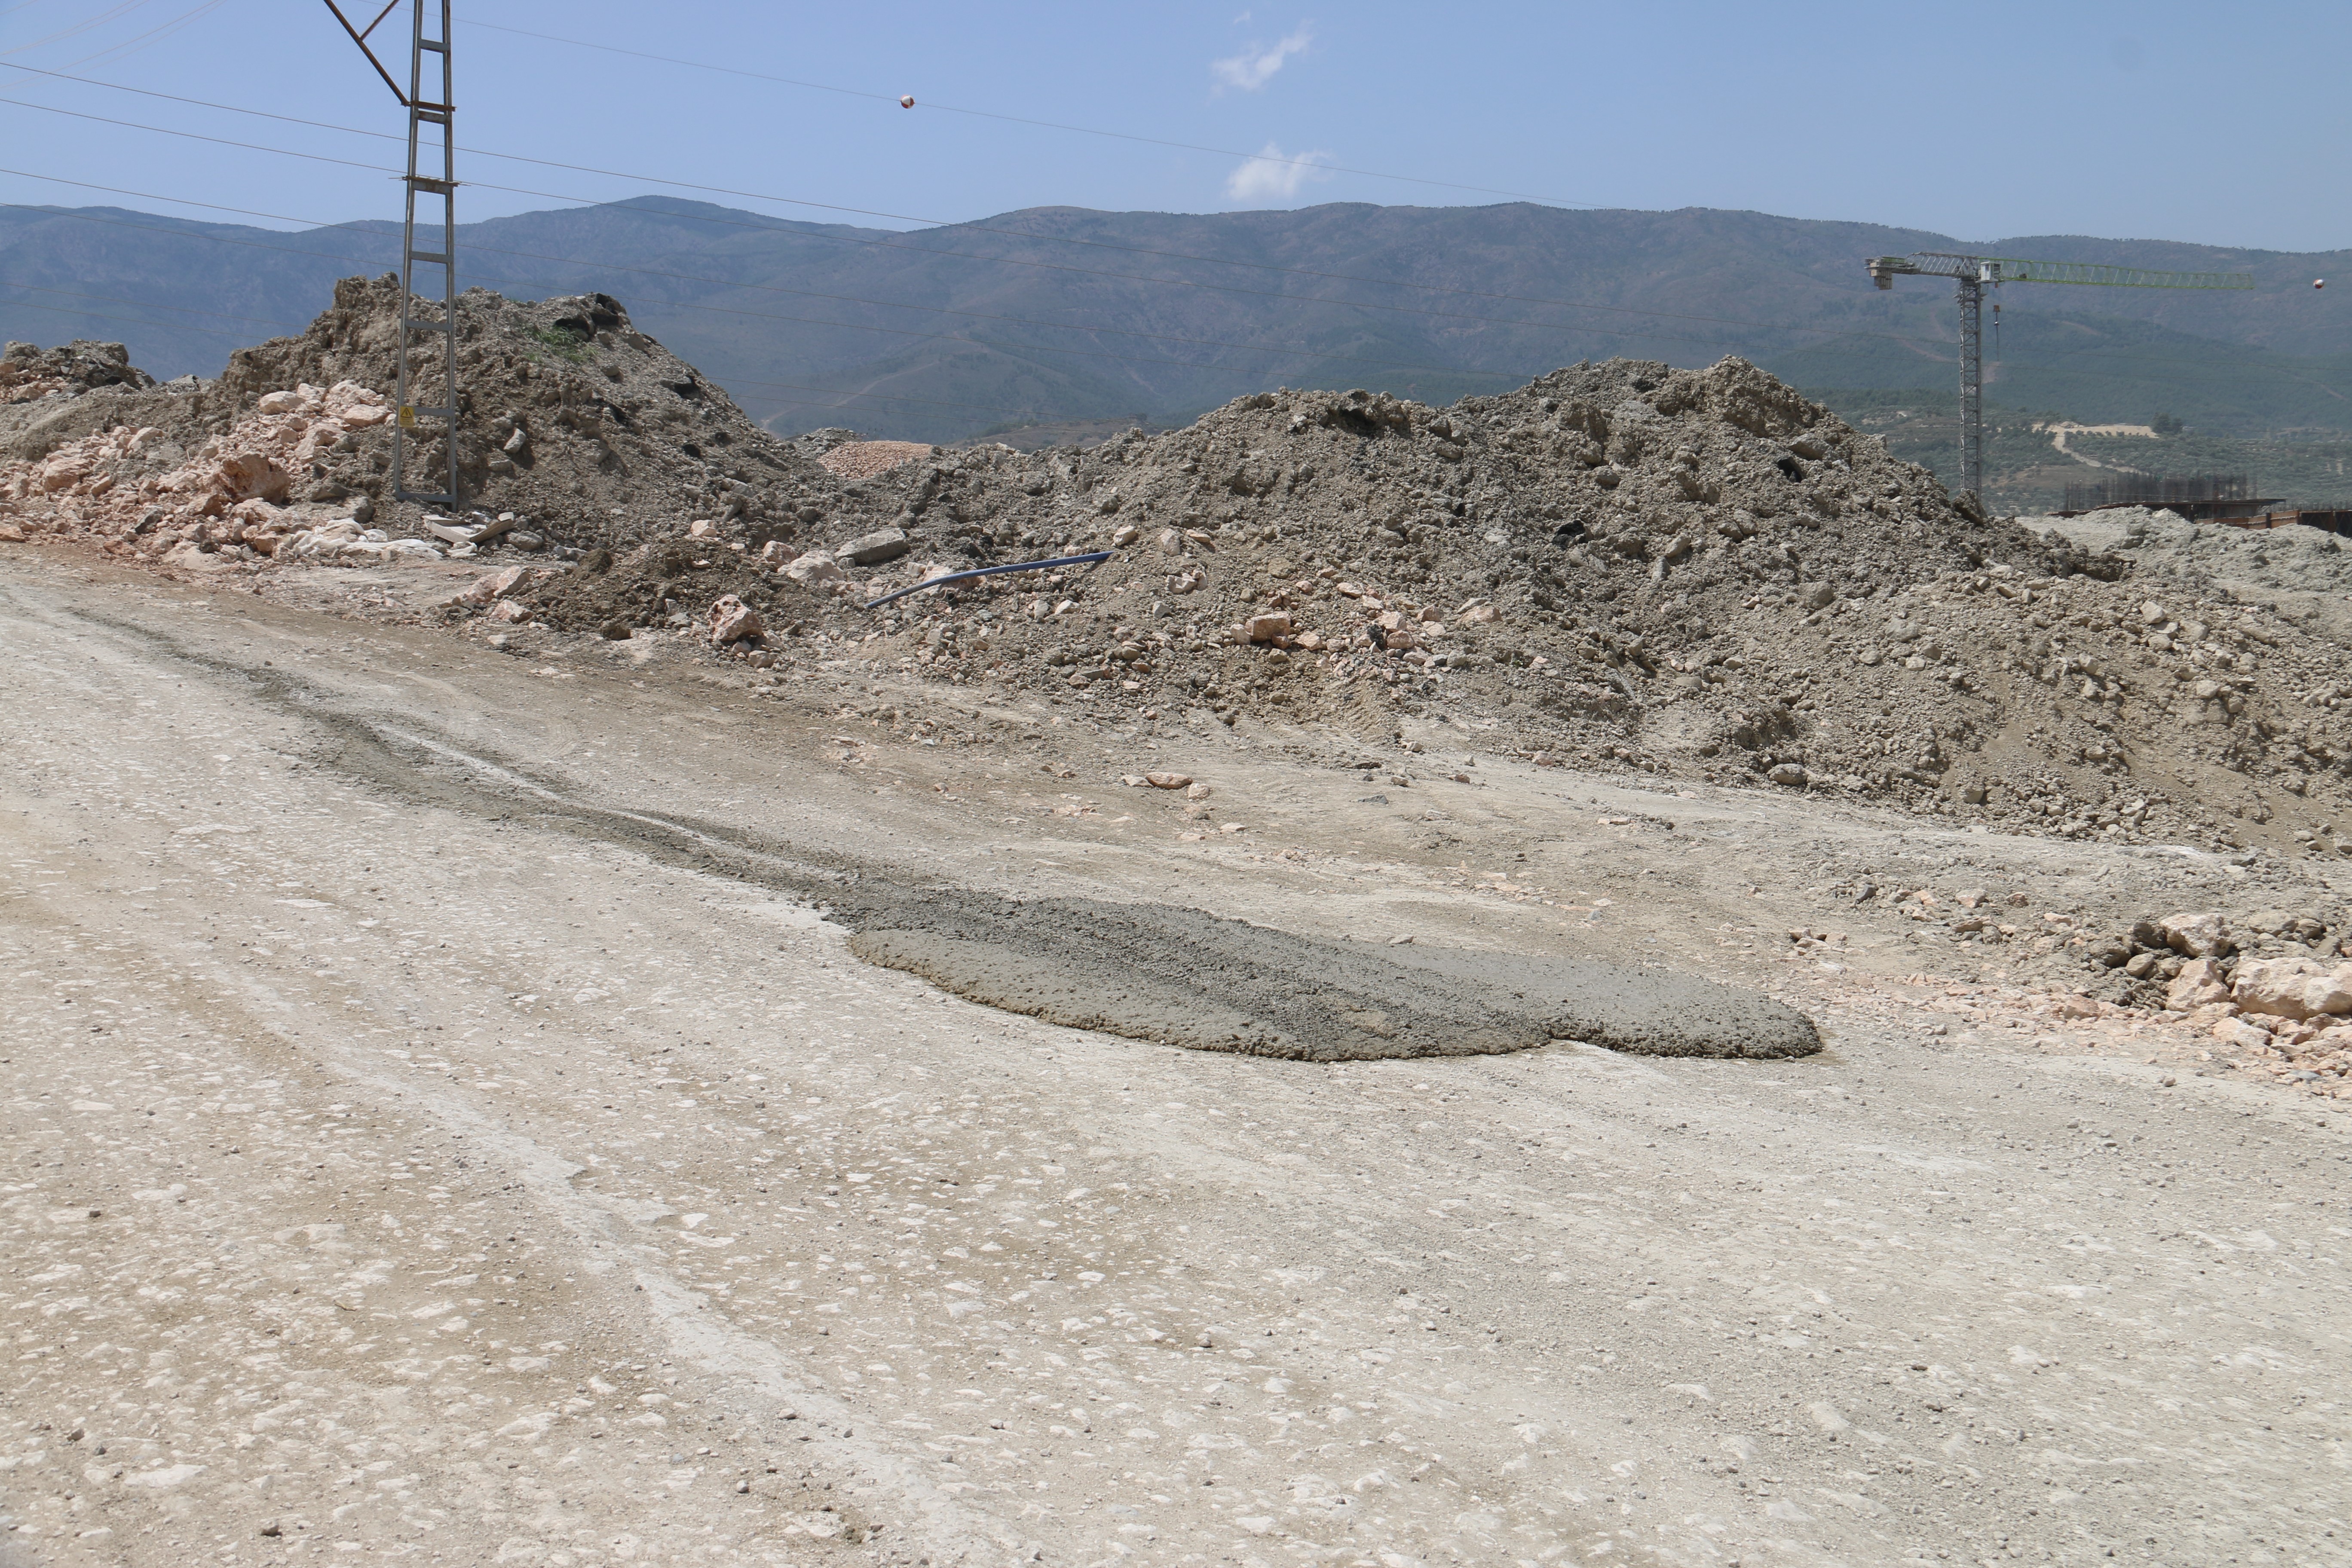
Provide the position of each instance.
(1972, 275)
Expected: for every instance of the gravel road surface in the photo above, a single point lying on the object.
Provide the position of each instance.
(434, 1132)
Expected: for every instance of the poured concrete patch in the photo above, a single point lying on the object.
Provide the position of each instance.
(1179, 977)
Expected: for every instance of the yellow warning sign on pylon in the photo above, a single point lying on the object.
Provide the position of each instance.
(408, 417)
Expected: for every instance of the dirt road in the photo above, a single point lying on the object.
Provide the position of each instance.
(432, 1135)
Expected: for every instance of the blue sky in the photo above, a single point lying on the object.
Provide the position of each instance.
(2216, 124)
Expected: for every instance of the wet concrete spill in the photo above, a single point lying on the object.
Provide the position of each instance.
(1180, 977)
(1147, 971)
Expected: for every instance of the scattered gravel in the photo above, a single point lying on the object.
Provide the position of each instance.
(863, 459)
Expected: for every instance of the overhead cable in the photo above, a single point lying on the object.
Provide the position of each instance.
(1320, 275)
(1830, 332)
(148, 305)
(133, 320)
(84, 25)
(612, 267)
(848, 326)
(1569, 304)
(926, 102)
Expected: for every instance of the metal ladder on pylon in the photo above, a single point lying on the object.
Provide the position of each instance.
(434, 110)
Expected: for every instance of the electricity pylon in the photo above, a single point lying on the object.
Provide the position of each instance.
(429, 132)
(1974, 274)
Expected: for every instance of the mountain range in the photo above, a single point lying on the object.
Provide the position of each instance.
(1062, 316)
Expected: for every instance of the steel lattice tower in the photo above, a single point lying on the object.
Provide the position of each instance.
(428, 124)
(1971, 298)
(432, 174)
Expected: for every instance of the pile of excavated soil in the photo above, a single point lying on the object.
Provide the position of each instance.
(28, 372)
(671, 586)
(2167, 551)
(1698, 573)
(584, 428)
(1695, 574)
(133, 486)
(2269, 980)
(571, 419)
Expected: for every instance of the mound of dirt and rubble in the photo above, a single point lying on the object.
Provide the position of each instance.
(573, 424)
(1695, 573)
(2167, 551)
(28, 372)
(2273, 982)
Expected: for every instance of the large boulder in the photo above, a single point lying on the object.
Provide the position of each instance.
(2199, 983)
(2292, 987)
(497, 585)
(732, 620)
(2203, 935)
(253, 474)
(873, 549)
(815, 570)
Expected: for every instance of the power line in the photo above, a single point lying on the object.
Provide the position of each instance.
(1319, 275)
(2125, 356)
(147, 305)
(130, 46)
(216, 141)
(346, 163)
(153, 36)
(1764, 326)
(1322, 275)
(729, 283)
(133, 320)
(1300, 351)
(845, 326)
(853, 326)
(84, 25)
(1830, 332)
(1041, 124)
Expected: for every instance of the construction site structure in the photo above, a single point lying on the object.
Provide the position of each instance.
(431, 101)
(2334, 520)
(1974, 274)
(2201, 498)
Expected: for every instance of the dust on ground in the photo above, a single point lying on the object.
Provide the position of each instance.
(804, 1259)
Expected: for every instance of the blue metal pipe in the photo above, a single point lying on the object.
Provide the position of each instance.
(1098, 555)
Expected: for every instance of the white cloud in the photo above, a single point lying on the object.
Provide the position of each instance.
(1254, 66)
(1275, 175)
